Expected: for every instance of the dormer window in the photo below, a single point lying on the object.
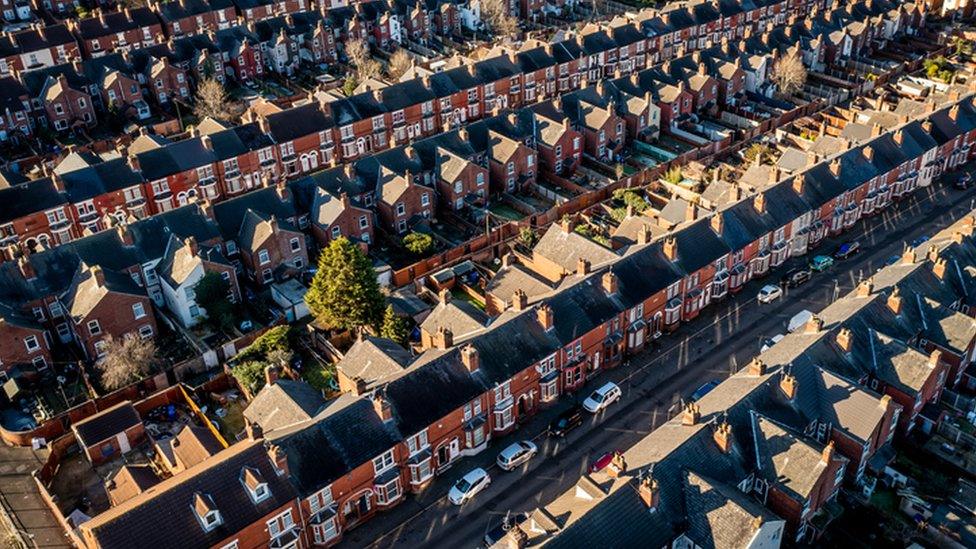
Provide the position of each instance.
(255, 484)
(206, 511)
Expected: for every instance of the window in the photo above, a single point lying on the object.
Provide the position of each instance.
(32, 344)
(194, 311)
(266, 276)
(425, 199)
(472, 409)
(263, 257)
(146, 332)
(480, 179)
(418, 442)
(400, 209)
(39, 314)
(383, 462)
(231, 247)
(56, 310)
(100, 348)
(296, 245)
(138, 310)
(320, 500)
(280, 524)
(94, 328)
(388, 492)
(336, 232)
(363, 222)
(530, 160)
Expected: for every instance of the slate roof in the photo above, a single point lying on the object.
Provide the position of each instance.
(106, 424)
(565, 248)
(371, 359)
(284, 403)
(217, 480)
(786, 460)
(460, 316)
(347, 430)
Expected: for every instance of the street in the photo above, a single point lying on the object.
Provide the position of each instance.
(724, 338)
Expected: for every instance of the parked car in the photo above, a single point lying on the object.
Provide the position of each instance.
(468, 486)
(892, 260)
(704, 389)
(496, 534)
(769, 293)
(821, 263)
(568, 420)
(847, 249)
(769, 342)
(920, 240)
(795, 277)
(601, 462)
(516, 455)
(601, 398)
(963, 181)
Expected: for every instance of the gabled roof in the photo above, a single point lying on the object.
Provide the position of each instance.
(91, 284)
(106, 424)
(371, 359)
(785, 459)
(565, 248)
(284, 403)
(459, 316)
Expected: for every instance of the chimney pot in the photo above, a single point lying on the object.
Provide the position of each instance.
(759, 202)
(382, 406)
(895, 301)
(520, 301)
(582, 266)
(545, 316)
(939, 268)
(671, 248)
(788, 385)
(814, 325)
(609, 282)
(865, 288)
(444, 338)
(723, 437)
(648, 491)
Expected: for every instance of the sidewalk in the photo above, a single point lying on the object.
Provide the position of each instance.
(652, 383)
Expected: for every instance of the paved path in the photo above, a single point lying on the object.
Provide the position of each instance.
(21, 500)
(725, 337)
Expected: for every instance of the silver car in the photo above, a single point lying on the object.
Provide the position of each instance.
(516, 455)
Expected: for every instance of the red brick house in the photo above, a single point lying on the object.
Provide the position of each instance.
(512, 164)
(268, 246)
(106, 304)
(105, 32)
(15, 120)
(65, 106)
(167, 81)
(25, 341)
(334, 217)
(189, 17)
(401, 201)
(459, 180)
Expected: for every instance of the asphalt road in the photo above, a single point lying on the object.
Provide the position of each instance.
(722, 339)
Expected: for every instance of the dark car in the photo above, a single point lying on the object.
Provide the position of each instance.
(795, 277)
(920, 240)
(567, 421)
(963, 181)
(847, 250)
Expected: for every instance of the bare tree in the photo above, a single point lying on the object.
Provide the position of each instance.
(789, 73)
(126, 361)
(498, 17)
(400, 63)
(211, 100)
(359, 56)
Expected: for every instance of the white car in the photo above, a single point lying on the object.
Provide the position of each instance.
(468, 486)
(769, 293)
(601, 398)
(770, 342)
(516, 455)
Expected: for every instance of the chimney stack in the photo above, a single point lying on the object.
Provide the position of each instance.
(757, 367)
(939, 268)
(723, 437)
(582, 266)
(444, 338)
(690, 211)
(520, 301)
(759, 202)
(444, 296)
(828, 453)
(934, 358)
(835, 167)
(544, 316)
(643, 234)
(845, 339)
(253, 430)
(648, 491)
(191, 244)
(717, 223)
(908, 257)
(98, 274)
(865, 288)
(814, 325)
(609, 282)
(470, 359)
(671, 248)
(382, 406)
(270, 374)
(788, 385)
(691, 414)
(894, 301)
